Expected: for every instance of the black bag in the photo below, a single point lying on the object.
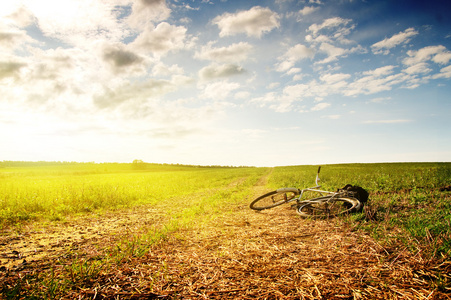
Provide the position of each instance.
(355, 191)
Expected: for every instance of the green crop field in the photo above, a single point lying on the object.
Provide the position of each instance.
(409, 206)
(54, 192)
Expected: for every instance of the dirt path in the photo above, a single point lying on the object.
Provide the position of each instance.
(274, 255)
(241, 254)
(50, 241)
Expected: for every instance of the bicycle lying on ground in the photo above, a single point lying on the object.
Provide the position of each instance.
(329, 204)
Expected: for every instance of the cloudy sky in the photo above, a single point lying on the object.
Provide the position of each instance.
(262, 83)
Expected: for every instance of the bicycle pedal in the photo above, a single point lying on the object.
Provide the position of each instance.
(294, 206)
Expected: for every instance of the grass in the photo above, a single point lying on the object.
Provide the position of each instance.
(185, 195)
(405, 196)
(407, 211)
(56, 192)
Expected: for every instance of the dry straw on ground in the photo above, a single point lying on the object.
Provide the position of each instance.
(271, 255)
(244, 254)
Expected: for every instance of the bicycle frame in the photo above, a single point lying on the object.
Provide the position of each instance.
(311, 189)
(320, 205)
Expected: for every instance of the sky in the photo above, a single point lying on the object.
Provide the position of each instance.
(239, 83)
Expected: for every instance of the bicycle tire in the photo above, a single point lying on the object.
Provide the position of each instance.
(274, 198)
(328, 206)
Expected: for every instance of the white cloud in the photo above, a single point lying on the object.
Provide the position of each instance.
(10, 69)
(145, 12)
(294, 71)
(332, 117)
(299, 52)
(297, 92)
(382, 71)
(253, 22)
(377, 80)
(243, 95)
(331, 38)
(133, 93)
(298, 77)
(61, 78)
(438, 54)
(215, 71)
(277, 102)
(396, 121)
(420, 68)
(334, 78)
(442, 57)
(380, 99)
(318, 39)
(161, 39)
(262, 101)
(219, 90)
(178, 79)
(371, 85)
(121, 60)
(444, 73)
(338, 25)
(52, 64)
(308, 10)
(273, 85)
(11, 37)
(13, 18)
(320, 106)
(7, 8)
(22, 17)
(283, 102)
(284, 66)
(160, 69)
(231, 54)
(404, 37)
(332, 52)
(78, 22)
(294, 54)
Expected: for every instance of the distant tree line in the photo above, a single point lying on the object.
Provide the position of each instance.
(137, 163)
(9, 163)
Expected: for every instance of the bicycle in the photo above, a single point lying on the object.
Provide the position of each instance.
(329, 204)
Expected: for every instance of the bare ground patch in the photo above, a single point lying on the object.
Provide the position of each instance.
(37, 242)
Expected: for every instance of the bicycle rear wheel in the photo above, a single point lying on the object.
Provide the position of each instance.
(328, 207)
(274, 198)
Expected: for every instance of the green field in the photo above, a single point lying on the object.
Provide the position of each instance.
(54, 192)
(401, 194)
(409, 204)
(405, 196)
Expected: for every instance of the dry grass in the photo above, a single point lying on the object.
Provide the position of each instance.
(270, 255)
(243, 254)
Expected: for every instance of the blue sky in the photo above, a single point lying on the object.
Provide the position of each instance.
(262, 83)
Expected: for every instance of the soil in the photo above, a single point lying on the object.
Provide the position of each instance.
(34, 243)
(273, 254)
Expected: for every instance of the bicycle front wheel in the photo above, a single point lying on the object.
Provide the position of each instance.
(274, 198)
(328, 207)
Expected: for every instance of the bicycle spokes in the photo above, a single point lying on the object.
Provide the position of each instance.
(281, 197)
